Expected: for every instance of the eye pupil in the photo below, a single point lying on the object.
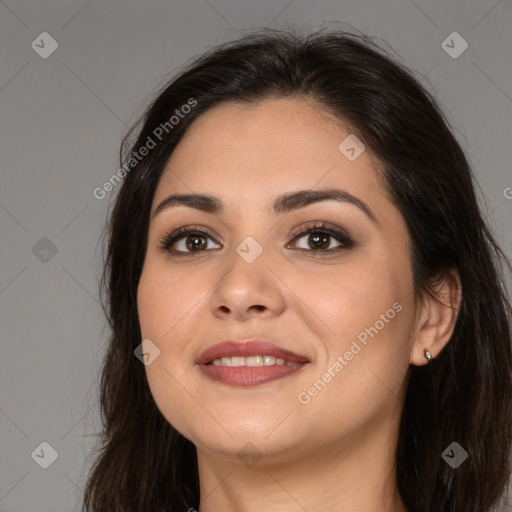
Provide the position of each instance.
(196, 238)
(319, 240)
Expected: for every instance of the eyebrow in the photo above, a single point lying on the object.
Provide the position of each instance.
(282, 204)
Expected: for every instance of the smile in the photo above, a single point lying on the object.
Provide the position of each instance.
(249, 363)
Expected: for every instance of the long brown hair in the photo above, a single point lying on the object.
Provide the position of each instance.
(465, 395)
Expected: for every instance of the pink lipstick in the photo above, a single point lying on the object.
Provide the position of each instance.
(249, 363)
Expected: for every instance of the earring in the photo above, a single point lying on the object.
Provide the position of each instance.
(428, 355)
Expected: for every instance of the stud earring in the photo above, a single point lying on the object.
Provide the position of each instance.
(428, 355)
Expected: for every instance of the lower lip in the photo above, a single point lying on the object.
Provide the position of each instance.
(248, 375)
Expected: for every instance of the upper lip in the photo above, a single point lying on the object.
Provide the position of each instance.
(247, 349)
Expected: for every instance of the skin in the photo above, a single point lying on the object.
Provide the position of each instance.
(337, 451)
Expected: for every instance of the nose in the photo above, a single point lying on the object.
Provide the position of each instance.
(247, 290)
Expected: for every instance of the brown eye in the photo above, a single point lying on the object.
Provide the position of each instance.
(194, 242)
(187, 241)
(323, 239)
(319, 241)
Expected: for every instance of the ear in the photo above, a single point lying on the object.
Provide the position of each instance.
(436, 317)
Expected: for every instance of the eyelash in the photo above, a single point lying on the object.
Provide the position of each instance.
(339, 234)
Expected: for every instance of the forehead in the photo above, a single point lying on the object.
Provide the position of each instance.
(264, 149)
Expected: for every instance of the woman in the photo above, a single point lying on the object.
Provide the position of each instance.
(307, 306)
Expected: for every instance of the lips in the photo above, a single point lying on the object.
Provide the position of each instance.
(237, 364)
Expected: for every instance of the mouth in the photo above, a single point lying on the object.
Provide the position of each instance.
(249, 363)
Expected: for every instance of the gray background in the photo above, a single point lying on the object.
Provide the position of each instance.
(62, 119)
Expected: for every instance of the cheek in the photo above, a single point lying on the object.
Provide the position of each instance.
(351, 298)
(164, 305)
(369, 312)
(164, 299)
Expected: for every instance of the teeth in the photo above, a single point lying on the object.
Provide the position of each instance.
(252, 361)
(269, 360)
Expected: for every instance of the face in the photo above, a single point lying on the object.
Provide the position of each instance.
(335, 302)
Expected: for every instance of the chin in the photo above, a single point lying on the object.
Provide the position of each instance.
(258, 436)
